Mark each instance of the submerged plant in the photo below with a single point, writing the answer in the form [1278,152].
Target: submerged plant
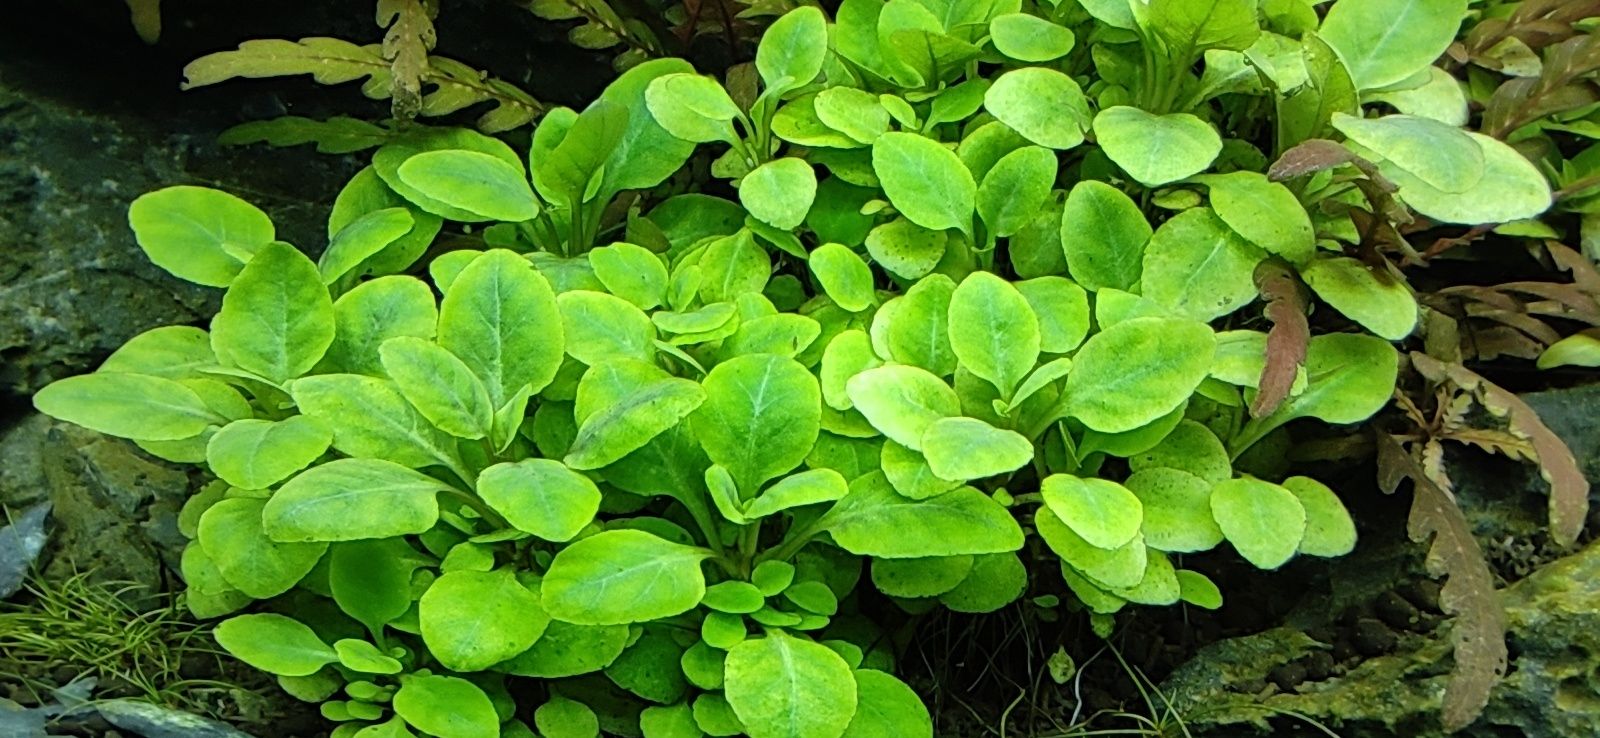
[646,451]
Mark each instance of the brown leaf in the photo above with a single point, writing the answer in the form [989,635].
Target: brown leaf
[1569,489]
[1290,334]
[406,45]
[1308,157]
[1584,273]
[1479,631]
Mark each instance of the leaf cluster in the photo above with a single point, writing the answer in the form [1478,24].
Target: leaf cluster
[983,306]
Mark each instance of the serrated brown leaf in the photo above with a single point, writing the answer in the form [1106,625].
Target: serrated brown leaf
[1495,441]
[1479,631]
[1569,489]
[1584,273]
[410,37]
[1287,340]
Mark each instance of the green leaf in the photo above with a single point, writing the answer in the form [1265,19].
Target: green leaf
[1329,529]
[1379,302]
[631,272]
[645,154]
[597,326]
[671,721]
[366,193]
[231,533]
[274,644]
[996,580]
[1137,371]
[1440,155]
[855,113]
[1044,105]
[446,706]
[1304,113]
[924,577]
[632,403]
[1350,377]
[390,428]
[1029,38]
[785,687]
[692,107]
[926,182]
[779,192]
[564,718]
[1200,268]
[1015,189]
[760,418]
[844,276]
[793,49]
[199,234]
[1266,213]
[1386,42]
[439,386]
[171,352]
[375,312]
[734,597]
[906,249]
[500,317]
[874,520]
[1511,189]
[1177,510]
[623,576]
[1191,447]
[1102,512]
[1123,566]
[917,326]
[993,331]
[1263,521]
[359,241]
[472,620]
[902,401]
[1103,234]
[847,355]
[805,488]
[887,708]
[386,162]
[733,266]
[910,473]
[541,497]
[364,657]
[277,318]
[1156,149]
[1197,590]
[569,650]
[256,454]
[352,499]
[1191,26]
[128,406]
[480,184]
[1158,586]
[968,448]
[371,580]
[1062,308]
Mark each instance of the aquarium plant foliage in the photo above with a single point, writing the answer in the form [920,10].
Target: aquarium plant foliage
[1007,298]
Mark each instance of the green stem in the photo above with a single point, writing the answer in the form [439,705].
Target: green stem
[478,506]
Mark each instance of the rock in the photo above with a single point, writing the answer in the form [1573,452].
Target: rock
[113,506]
[20,544]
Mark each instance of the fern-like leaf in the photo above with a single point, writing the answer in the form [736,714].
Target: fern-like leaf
[406,45]
[1569,489]
[1290,334]
[1468,593]
[340,135]
[452,85]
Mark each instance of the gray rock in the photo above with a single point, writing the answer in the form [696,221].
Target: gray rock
[20,544]
[151,721]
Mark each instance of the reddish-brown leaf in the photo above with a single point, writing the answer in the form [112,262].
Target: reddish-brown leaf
[1569,489]
[1308,157]
[1286,342]
[1478,633]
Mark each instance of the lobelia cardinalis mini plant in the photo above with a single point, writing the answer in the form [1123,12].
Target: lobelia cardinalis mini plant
[628,462]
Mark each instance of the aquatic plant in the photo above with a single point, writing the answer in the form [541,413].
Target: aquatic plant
[984,311]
